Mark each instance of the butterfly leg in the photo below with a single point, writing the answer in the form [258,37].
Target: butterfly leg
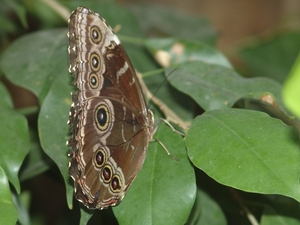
[165,148]
[169,125]
[173,129]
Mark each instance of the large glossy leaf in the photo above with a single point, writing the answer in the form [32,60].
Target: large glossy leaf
[164,189]
[247,150]
[215,87]
[29,63]
[14,144]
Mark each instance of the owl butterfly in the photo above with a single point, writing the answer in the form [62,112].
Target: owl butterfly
[110,123]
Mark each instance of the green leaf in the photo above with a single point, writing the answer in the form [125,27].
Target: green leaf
[271,217]
[173,23]
[53,127]
[36,161]
[22,202]
[85,215]
[164,189]
[38,62]
[169,51]
[216,87]
[180,103]
[19,10]
[6,203]
[247,150]
[274,57]
[280,211]
[206,211]
[5,100]
[14,144]
[291,90]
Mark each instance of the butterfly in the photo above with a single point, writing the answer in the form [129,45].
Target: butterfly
[110,123]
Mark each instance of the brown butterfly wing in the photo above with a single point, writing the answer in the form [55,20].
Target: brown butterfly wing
[110,123]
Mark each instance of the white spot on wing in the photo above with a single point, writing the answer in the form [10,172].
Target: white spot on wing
[122,71]
[132,82]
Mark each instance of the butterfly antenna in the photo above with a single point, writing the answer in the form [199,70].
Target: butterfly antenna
[161,84]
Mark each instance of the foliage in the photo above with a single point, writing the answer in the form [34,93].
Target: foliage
[240,153]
